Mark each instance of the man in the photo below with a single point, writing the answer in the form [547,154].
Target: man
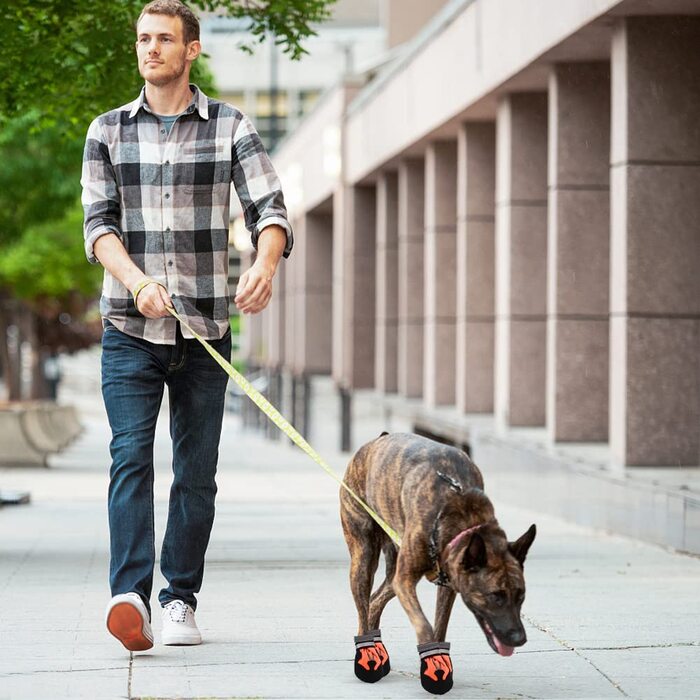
[156,187]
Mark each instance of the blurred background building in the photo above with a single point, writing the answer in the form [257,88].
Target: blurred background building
[497,239]
[277,92]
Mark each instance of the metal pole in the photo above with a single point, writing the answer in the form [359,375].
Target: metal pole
[306,419]
[294,404]
[345,419]
[276,400]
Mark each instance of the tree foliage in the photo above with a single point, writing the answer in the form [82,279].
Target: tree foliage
[48,261]
[39,173]
[74,60]
[61,64]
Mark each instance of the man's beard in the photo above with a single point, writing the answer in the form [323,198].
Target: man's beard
[162,80]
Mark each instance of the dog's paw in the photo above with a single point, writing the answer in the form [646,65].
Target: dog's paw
[435,667]
[371,657]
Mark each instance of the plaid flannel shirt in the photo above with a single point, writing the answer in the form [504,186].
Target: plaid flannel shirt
[167,196]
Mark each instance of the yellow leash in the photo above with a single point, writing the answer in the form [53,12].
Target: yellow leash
[283,424]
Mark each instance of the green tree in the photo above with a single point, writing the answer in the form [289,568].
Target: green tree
[48,261]
[74,60]
[61,64]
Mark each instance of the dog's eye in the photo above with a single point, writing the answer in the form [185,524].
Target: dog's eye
[498,598]
[519,597]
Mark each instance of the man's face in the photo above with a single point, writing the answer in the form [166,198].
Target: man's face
[162,53]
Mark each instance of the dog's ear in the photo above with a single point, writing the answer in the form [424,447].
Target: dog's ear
[474,553]
[520,547]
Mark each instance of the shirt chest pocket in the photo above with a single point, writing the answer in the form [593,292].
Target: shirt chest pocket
[202,167]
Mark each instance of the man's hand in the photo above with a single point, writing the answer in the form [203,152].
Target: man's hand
[152,301]
[254,288]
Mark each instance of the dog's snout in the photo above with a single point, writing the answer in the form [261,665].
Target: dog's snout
[516,637]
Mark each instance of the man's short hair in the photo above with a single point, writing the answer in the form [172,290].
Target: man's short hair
[175,8]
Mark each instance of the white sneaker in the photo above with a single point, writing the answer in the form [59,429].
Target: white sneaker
[179,626]
[127,619]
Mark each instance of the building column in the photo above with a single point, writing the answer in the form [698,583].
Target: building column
[655,244]
[440,273]
[354,272]
[521,259]
[411,194]
[274,318]
[387,283]
[315,320]
[579,252]
[476,172]
[251,325]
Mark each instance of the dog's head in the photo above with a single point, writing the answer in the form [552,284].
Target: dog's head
[487,571]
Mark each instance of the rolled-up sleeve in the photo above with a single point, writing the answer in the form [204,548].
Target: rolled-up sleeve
[100,197]
[257,185]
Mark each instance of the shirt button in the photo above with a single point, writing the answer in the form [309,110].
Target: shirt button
[170,263]
[167,162]
[168,229]
[167,195]
[162,131]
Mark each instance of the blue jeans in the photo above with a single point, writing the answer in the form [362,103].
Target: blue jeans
[134,374]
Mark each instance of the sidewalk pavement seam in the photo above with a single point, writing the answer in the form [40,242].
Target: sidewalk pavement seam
[59,670]
[642,646]
[253,663]
[576,651]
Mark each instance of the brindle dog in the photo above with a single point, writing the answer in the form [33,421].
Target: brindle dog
[432,495]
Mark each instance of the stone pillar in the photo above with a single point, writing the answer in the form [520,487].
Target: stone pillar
[440,273]
[354,271]
[316,303]
[411,235]
[521,259]
[340,310]
[278,349]
[387,284]
[579,252]
[655,243]
[476,173]
[291,285]
[251,326]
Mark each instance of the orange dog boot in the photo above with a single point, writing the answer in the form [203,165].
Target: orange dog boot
[368,664]
[435,667]
[381,650]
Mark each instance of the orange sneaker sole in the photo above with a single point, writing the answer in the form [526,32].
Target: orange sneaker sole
[126,624]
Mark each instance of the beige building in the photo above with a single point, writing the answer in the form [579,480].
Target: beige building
[499,234]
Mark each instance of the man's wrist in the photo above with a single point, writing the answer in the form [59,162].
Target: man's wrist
[140,286]
[268,263]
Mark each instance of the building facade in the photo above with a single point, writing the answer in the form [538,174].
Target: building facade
[499,234]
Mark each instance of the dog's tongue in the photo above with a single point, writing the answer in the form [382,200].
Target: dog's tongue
[503,649]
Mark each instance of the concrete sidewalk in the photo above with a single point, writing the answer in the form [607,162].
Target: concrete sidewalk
[606,617]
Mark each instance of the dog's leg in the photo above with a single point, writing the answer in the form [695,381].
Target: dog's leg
[445,599]
[363,544]
[385,592]
[435,662]
[405,581]
[371,660]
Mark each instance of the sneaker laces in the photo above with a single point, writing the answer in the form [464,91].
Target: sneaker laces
[177,610]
